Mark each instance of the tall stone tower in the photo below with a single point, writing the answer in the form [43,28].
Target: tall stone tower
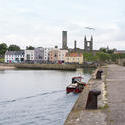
[88,45]
[64,40]
[75,45]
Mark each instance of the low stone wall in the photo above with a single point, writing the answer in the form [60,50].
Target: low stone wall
[7,66]
[79,115]
[47,66]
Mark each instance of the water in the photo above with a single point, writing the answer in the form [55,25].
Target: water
[36,97]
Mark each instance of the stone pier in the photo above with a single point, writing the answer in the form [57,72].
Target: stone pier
[111,103]
[79,115]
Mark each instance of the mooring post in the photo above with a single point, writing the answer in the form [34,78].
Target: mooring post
[92,102]
[99,74]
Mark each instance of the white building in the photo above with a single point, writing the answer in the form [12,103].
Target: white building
[29,55]
[46,53]
[14,56]
[61,55]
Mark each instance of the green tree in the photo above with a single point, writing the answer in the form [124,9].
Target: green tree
[89,57]
[103,56]
[103,50]
[121,55]
[13,48]
[114,57]
[3,49]
[111,51]
[30,48]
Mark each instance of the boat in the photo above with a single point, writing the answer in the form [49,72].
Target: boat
[76,86]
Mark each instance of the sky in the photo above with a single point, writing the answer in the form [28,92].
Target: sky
[41,22]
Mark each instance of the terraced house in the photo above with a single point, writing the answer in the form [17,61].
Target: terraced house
[46,54]
[61,56]
[29,56]
[14,56]
[38,55]
[53,55]
[57,55]
[74,58]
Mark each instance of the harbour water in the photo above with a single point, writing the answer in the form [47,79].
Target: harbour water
[36,97]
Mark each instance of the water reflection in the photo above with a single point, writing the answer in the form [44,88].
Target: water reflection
[86,70]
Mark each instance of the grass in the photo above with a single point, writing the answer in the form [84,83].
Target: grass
[1,60]
[111,121]
[104,107]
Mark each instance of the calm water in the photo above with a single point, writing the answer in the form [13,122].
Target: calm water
[36,97]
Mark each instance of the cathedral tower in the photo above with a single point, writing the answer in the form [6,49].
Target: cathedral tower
[88,45]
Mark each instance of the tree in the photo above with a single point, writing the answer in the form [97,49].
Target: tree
[103,50]
[110,51]
[13,48]
[114,57]
[89,57]
[30,48]
[3,49]
[107,50]
[103,56]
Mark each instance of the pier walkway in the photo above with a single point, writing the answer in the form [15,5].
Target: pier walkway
[116,95]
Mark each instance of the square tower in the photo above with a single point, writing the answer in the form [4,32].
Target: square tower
[64,40]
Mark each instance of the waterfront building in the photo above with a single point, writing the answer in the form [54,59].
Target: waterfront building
[75,57]
[29,55]
[14,56]
[46,54]
[61,55]
[53,55]
[39,55]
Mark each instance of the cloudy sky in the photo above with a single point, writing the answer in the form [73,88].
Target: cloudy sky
[40,22]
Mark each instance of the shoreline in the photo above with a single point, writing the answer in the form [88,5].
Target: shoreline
[7,67]
[65,67]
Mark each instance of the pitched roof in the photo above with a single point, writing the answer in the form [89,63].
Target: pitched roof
[74,54]
[21,52]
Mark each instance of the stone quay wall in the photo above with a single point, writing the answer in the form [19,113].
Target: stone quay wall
[79,115]
[46,66]
[69,67]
